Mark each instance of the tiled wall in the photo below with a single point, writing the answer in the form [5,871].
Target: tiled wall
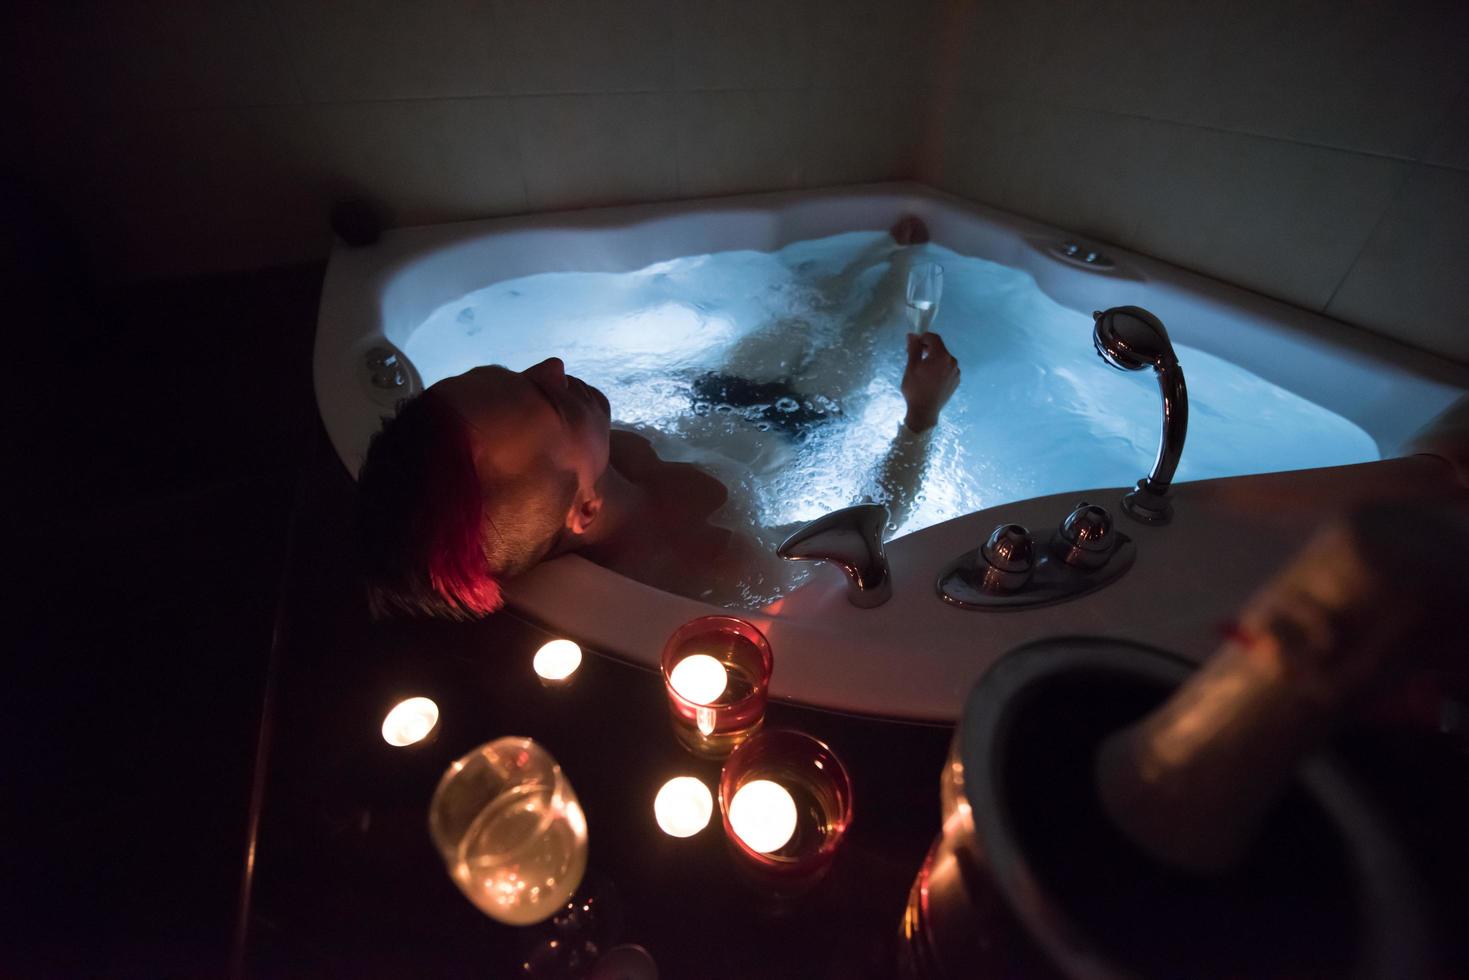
[1313,150]
[190,137]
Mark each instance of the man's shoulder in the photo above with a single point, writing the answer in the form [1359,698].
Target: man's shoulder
[687,489]
[631,452]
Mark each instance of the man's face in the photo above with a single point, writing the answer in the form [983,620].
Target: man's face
[513,417]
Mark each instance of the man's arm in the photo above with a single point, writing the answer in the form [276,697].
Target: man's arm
[928,383]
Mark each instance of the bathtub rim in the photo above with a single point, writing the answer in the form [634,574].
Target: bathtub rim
[356,278]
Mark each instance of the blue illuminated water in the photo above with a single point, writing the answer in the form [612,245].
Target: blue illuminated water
[1037,412]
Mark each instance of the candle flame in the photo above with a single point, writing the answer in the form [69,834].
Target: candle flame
[557,660]
[763,815]
[683,806]
[699,678]
[410,721]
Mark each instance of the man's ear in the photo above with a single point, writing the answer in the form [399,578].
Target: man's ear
[585,509]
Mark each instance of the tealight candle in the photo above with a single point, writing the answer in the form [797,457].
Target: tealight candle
[787,801]
[556,661]
[683,806]
[410,722]
[699,678]
[763,815]
[716,670]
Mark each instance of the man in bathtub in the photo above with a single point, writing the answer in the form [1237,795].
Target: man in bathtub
[490,472]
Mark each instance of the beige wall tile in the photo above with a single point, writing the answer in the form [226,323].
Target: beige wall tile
[1281,218]
[745,44]
[360,50]
[1084,171]
[1450,145]
[1409,281]
[120,55]
[588,45]
[1374,77]
[730,142]
[859,135]
[1148,57]
[426,160]
[192,191]
[584,150]
[976,152]
[185,192]
[873,43]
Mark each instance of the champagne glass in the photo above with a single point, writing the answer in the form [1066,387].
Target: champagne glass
[510,831]
[925,289]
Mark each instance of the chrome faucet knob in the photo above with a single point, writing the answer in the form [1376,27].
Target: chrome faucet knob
[1007,559]
[1086,539]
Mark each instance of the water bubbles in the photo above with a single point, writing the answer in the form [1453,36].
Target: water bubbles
[810,359]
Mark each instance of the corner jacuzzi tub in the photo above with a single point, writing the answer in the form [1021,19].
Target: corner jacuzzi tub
[914,657]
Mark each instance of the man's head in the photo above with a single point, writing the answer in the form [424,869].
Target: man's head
[476,480]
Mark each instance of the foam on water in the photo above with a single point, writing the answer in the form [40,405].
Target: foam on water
[1037,412]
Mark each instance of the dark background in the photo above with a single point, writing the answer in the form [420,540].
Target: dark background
[148,538]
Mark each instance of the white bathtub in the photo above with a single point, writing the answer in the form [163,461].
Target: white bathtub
[914,657]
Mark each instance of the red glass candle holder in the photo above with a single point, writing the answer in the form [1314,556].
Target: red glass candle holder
[713,714]
[809,772]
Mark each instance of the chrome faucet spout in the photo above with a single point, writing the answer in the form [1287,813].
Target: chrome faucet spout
[851,538]
[1131,339]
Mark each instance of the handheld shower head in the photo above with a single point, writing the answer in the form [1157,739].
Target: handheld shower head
[1130,338]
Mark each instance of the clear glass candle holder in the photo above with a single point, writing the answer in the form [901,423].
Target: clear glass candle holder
[716,672]
[510,830]
[770,842]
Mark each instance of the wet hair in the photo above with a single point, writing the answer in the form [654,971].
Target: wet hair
[435,536]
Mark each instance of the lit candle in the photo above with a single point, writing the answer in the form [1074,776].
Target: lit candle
[699,678]
[683,806]
[555,662]
[410,721]
[763,815]
[716,673]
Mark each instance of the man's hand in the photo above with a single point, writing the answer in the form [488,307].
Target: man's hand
[929,380]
